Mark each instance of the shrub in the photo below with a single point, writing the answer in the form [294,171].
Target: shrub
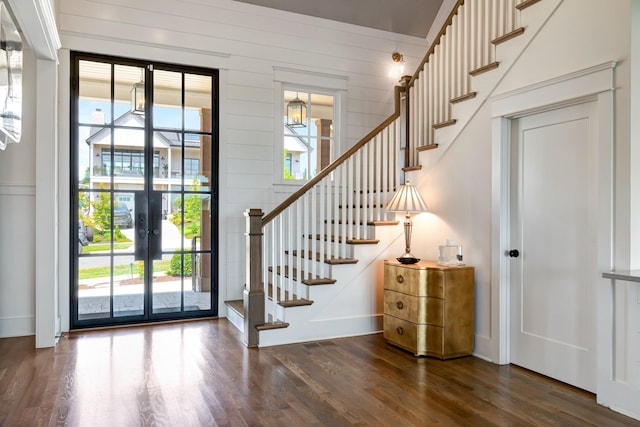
[175,267]
[120,237]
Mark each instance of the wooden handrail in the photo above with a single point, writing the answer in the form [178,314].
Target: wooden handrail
[436,41]
[333,165]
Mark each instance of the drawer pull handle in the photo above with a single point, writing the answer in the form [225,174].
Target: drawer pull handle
[400,305]
[399,330]
[400,279]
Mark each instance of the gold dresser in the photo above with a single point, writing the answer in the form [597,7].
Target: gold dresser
[429,308]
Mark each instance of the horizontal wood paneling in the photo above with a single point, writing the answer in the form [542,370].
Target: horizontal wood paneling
[249,123]
[237,151]
[252,166]
[249,44]
[263,95]
[224,18]
[258,138]
[250,109]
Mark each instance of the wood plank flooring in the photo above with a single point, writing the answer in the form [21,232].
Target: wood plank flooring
[199,374]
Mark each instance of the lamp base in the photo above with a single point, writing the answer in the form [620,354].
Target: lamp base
[408,258]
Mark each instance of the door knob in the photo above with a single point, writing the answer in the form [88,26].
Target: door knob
[514,253]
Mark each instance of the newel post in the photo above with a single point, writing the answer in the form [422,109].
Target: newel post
[405,131]
[253,290]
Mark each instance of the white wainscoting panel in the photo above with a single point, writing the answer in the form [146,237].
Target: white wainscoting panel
[17,253]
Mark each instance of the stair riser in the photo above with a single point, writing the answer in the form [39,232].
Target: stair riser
[342,250]
[364,231]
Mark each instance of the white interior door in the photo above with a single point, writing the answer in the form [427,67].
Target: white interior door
[553,219]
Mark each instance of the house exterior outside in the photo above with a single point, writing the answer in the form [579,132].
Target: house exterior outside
[258,51]
[128,159]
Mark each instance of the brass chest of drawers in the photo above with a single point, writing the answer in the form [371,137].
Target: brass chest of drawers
[429,308]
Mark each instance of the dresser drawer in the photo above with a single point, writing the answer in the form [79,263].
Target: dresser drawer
[429,308]
[414,309]
[406,280]
[408,335]
[405,306]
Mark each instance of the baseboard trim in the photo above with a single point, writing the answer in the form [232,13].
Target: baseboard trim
[323,329]
[17,326]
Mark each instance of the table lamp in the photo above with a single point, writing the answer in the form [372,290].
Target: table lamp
[407,200]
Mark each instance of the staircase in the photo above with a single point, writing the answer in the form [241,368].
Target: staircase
[314,262]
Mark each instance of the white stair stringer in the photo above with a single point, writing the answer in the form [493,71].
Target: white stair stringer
[533,20]
[352,306]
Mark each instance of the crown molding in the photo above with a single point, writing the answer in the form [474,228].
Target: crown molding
[36,20]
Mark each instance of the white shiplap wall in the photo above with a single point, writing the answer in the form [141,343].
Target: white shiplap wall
[247,43]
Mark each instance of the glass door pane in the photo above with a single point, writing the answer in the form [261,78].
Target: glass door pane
[143,192]
[109,280]
[182,127]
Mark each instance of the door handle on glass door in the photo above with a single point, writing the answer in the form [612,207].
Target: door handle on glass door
[514,253]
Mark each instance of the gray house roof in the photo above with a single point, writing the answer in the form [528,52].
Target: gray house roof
[132,121]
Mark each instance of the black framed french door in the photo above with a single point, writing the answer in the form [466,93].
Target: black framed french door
[144,188]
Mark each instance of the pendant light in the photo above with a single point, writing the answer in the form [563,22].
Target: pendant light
[297,113]
[137,96]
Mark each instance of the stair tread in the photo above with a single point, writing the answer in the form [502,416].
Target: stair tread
[272,325]
[295,303]
[363,241]
[348,241]
[382,223]
[510,35]
[315,282]
[332,260]
[464,97]
[446,123]
[484,69]
[236,305]
[286,300]
[525,4]
[427,147]
[375,223]
[294,276]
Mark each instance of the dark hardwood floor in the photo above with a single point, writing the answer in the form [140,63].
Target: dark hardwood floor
[199,374]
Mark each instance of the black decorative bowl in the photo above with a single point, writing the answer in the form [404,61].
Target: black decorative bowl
[402,260]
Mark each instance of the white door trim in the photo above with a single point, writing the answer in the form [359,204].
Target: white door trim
[591,84]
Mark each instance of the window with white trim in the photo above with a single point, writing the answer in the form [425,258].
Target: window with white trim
[308,132]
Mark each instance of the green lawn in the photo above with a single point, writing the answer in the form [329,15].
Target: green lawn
[102,247]
[119,270]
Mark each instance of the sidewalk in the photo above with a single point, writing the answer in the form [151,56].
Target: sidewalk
[94,294]
[130,298]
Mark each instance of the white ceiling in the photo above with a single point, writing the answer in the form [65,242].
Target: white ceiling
[410,17]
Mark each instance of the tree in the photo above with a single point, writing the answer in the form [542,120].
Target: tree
[85,178]
[102,211]
[192,213]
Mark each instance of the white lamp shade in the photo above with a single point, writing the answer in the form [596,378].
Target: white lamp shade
[407,199]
